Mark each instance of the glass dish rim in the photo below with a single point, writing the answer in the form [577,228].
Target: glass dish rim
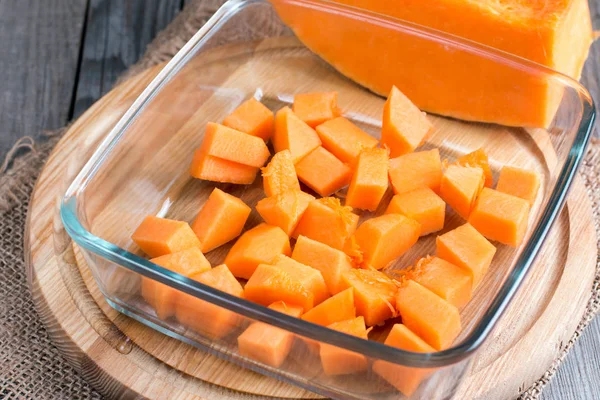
[373,349]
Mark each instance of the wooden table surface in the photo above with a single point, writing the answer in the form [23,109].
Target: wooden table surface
[57,57]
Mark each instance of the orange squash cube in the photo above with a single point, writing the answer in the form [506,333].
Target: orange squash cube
[231,145]
[159,236]
[369,181]
[316,108]
[374,294]
[405,379]
[327,221]
[291,133]
[322,172]
[268,344]
[253,118]
[501,217]
[310,278]
[220,220]
[465,247]
[331,262]
[162,297]
[216,169]
[279,176]
[338,361]
[422,205]
[451,283]
[336,308]
[432,318]
[270,283]
[404,127]
[460,188]
[284,210]
[519,182]
[414,170]
[344,139]
[478,158]
[383,239]
[207,318]
[259,245]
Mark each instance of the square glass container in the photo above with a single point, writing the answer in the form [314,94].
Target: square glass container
[142,168]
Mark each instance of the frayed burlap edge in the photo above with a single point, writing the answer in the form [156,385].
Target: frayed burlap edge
[24,162]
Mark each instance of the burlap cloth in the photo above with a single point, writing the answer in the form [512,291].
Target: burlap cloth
[30,366]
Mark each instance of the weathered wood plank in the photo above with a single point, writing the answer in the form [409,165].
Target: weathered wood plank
[116,36]
[39,48]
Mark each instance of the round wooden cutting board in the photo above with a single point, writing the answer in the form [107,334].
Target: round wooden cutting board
[125,359]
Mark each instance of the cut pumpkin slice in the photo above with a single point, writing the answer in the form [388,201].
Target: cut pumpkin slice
[235,146]
[259,245]
[344,139]
[253,118]
[215,169]
[405,379]
[220,220]
[291,133]
[404,126]
[268,344]
[207,318]
[316,108]
[432,318]
[338,361]
[279,176]
[385,238]
[159,236]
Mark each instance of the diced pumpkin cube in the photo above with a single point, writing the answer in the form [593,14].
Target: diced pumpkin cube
[405,379]
[422,205]
[220,220]
[460,188]
[519,182]
[453,284]
[207,318]
[339,361]
[284,210]
[414,170]
[404,126]
[268,344]
[478,158]
[344,139]
[279,176]
[468,249]
[327,221]
[216,169]
[383,239]
[162,297]
[336,308]
[316,108]
[292,134]
[253,118]
[309,278]
[374,294]
[269,284]
[259,245]
[331,262]
[500,216]
[239,147]
[369,181]
[322,172]
[429,316]
[159,236]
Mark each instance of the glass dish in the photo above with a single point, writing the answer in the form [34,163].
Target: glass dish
[141,168]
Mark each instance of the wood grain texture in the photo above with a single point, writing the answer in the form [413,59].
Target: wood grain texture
[39,48]
[563,270]
[117,33]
